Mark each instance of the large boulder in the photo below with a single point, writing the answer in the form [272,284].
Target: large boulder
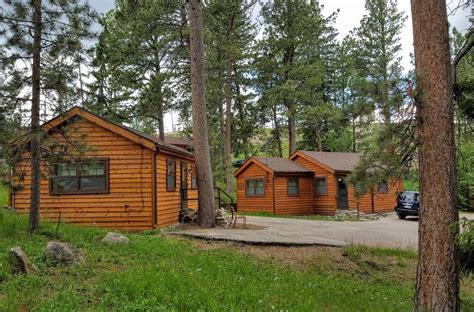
[64,254]
[19,262]
[114,238]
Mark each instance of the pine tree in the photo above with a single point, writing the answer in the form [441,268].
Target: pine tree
[34,35]
[136,54]
[206,212]
[437,285]
[230,33]
[292,59]
[379,47]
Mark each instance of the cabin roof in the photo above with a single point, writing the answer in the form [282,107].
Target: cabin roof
[336,160]
[282,165]
[153,140]
[179,140]
[275,165]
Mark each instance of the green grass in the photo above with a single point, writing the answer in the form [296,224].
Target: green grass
[162,273]
[3,195]
[307,217]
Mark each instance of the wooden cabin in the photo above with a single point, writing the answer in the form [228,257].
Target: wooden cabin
[331,190]
[274,185]
[123,178]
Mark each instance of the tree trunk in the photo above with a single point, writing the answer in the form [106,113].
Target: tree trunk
[354,147]
[319,139]
[161,122]
[228,128]
[159,111]
[291,132]
[277,131]
[34,218]
[242,122]
[206,212]
[437,285]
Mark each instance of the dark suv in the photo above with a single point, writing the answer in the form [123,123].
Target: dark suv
[408,204]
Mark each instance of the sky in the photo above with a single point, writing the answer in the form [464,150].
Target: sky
[350,14]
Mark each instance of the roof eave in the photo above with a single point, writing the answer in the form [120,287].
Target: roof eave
[293,173]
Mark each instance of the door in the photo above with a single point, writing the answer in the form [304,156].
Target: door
[184,184]
[342,202]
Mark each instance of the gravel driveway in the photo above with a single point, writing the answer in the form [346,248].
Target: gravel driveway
[385,232]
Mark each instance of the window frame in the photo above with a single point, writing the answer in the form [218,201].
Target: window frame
[380,186]
[78,176]
[193,177]
[288,186]
[169,161]
[325,178]
[255,188]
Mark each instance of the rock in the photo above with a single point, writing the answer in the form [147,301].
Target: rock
[223,217]
[363,216]
[113,237]
[188,215]
[64,254]
[19,262]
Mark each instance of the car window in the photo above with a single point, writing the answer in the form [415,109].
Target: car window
[405,196]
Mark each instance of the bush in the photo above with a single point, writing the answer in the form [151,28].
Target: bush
[465,241]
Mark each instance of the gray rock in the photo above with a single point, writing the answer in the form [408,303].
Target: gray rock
[223,217]
[19,262]
[112,237]
[188,215]
[64,254]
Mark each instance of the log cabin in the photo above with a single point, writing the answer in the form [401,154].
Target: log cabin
[274,185]
[332,191]
[122,178]
[319,179]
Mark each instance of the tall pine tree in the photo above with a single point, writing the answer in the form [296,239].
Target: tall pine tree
[230,33]
[41,43]
[379,47]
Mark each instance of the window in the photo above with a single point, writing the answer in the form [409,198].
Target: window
[255,187]
[293,186]
[81,177]
[320,186]
[383,187]
[170,175]
[194,183]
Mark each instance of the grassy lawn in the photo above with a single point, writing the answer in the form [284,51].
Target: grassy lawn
[160,272]
[308,217]
[3,195]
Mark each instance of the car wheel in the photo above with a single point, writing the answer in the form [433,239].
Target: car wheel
[401,216]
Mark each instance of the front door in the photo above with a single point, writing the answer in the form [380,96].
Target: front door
[342,202]
[184,184]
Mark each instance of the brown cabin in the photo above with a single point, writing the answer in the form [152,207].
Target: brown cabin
[274,185]
[125,179]
[263,184]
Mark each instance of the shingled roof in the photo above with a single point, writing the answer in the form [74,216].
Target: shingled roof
[179,141]
[282,165]
[336,161]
